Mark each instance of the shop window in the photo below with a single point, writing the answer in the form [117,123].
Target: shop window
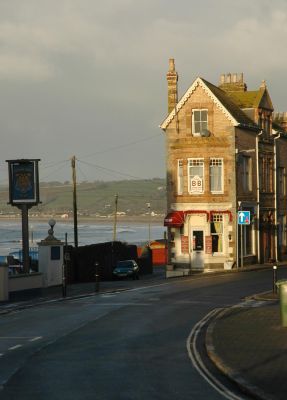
[216,229]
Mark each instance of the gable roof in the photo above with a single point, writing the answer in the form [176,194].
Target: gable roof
[220,98]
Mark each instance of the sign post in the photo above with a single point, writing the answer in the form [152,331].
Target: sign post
[24,193]
[243,218]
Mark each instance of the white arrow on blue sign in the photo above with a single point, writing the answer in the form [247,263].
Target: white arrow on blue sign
[243,217]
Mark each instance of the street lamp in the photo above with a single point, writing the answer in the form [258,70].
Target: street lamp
[52,223]
[115,218]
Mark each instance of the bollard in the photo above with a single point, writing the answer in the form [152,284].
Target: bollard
[282,284]
[97,276]
[64,283]
[274,279]
[4,291]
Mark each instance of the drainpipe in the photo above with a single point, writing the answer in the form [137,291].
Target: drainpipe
[258,197]
[275,198]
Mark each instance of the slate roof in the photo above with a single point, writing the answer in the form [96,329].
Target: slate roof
[231,106]
[238,117]
[248,99]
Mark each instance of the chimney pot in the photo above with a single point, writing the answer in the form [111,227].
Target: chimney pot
[171,65]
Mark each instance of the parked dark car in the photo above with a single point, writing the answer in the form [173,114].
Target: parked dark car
[126,268]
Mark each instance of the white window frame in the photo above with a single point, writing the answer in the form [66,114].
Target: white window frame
[200,110]
[195,162]
[179,177]
[218,218]
[216,162]
[282,181]
[247,173]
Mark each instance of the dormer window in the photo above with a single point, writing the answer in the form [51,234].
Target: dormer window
[199,122]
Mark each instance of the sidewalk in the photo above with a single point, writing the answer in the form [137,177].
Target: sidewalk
[20,300]
[249,345]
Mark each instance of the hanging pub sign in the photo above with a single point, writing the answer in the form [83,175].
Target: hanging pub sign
[23,182]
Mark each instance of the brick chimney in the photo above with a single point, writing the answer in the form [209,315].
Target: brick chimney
[281,119]
[232,82]
[172,79]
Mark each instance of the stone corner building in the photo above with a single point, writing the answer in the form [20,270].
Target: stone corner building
[226,151]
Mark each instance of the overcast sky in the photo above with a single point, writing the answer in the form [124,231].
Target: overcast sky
[87,77]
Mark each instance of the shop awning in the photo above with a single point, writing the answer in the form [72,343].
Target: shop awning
[174,219]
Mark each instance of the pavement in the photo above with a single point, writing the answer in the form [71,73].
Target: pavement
[30,298]
[246,342]
[249,345]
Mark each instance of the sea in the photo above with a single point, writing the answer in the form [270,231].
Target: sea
[88,233]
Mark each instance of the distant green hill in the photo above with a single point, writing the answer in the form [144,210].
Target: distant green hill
[98,198]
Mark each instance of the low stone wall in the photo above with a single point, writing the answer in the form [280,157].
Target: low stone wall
[22,282]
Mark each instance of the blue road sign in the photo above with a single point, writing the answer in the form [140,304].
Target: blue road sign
[243,217]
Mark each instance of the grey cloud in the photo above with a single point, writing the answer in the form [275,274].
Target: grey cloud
[85,74]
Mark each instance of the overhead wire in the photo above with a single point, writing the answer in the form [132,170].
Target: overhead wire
[81,172]
[54,171]
[121,146]
[109,170]
[53,164]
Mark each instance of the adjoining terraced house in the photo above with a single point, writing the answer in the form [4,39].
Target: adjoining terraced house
[224,153]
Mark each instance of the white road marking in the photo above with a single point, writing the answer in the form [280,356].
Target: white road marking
[123,304]
[250,304]
[198,363]
[15,347]
[36,338]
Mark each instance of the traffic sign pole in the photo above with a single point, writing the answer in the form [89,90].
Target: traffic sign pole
[243,218]
[241,244]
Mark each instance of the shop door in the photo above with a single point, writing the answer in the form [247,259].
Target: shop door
[197,256]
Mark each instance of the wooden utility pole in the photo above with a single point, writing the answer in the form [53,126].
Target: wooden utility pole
[149,217]
[115,217]
[75,211]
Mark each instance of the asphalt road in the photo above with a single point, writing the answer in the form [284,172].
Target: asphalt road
[127,345]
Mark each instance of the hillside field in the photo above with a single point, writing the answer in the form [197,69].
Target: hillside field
[97,198]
